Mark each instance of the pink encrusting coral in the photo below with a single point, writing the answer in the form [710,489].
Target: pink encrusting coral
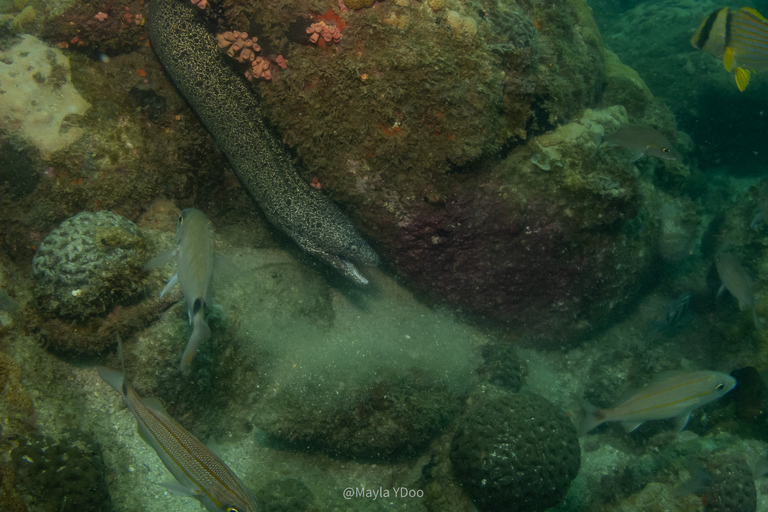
[200,3]
[240,46]
[322,29]
[101,16]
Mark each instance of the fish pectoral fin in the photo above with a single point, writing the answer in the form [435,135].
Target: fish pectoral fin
[173,282]
[630,426]
[728,59]
[161,259]
[175,487]
[742,78]
[720,291]
[682,421]
[636,155]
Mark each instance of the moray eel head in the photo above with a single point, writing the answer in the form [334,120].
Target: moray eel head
[343,257]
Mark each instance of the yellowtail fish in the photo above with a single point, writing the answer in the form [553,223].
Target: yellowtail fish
[736,280]
[199,472]
[740,38]
[674,396]
[642,140]
[194,273]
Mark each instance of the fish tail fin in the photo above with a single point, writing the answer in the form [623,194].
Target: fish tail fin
[593,417]
[115,378]
[200,333]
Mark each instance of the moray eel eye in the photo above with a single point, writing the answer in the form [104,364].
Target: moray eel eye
[353,249]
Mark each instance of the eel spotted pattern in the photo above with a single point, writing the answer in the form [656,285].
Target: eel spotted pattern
[232,115]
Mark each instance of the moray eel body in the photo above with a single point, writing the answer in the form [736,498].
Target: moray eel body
[232,115]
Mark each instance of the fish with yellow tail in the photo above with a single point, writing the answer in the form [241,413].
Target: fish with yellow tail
[739,37]
[194,273]
[672,396]
[200,473]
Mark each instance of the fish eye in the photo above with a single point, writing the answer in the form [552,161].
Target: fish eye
[353,249]
[664,150]
[720,387]
[233,509]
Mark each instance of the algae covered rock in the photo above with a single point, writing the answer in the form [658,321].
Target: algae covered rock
[731,485]
[515,452]
[89,264]
[51,473]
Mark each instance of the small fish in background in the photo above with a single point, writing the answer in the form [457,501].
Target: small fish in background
[736,280]
[740,38]
[199,472]
[762,214]
[671,316]
[7,303]
[697,482]
[641,140]
[194,273]
[668,397]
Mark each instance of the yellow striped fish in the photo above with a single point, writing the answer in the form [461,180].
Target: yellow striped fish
[199,472]
[674,396]
[740,38]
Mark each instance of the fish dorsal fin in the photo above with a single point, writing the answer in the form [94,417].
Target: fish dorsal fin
[728,59]
[742,78]
[753,12]
[154,404]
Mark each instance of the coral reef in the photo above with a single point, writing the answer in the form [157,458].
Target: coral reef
[515,452]
[88,265]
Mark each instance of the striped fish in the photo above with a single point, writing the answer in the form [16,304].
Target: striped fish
[740,38]
[199,472]
[674,396]
[194,273]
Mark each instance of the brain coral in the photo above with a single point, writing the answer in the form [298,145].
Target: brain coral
[515,452]
[88,265]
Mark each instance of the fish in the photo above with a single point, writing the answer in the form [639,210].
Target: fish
[672,314]
[194,273]
[739,37]
[668,397]
[199,472]
[235,117]
[642,140]
[736,280]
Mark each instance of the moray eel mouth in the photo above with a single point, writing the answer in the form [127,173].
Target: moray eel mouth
[343,264]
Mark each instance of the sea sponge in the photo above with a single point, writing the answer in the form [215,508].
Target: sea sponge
[515,452]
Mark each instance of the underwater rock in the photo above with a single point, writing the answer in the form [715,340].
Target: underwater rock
[64,474]
[88,265]
[38,97]
[16,407]
[547,253]
[731,486]
[515,452]
[502,366]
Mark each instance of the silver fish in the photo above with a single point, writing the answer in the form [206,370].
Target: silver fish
[200,473]
[642,140]
[736,280]
[194,273]
[676,395]
[672,314]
